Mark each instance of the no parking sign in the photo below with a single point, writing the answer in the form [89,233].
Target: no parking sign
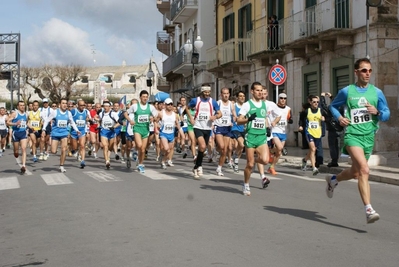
[277,76]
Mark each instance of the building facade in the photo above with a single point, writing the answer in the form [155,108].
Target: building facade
[101,82]
[317,41]
[186,22]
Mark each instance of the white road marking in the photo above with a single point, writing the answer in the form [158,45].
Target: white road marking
[103,176]
[206,176]
[154,175]
[9,183]
[304,177]
[27,172]
[56,179]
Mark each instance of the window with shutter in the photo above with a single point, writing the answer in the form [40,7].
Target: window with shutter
[311,84]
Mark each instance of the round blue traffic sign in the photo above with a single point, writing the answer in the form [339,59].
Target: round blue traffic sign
[277,74]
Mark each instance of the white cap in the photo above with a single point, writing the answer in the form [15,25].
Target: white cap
[282,95]
[168,101]
[45,100]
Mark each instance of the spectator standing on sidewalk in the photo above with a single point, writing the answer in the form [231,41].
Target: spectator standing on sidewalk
[366,106]
[335,131]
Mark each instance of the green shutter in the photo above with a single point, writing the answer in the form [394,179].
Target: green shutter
[231,25]
[225,29]
[249,17]
[280,14]
[342,78]
[240,22]
[311,84]
[310,3]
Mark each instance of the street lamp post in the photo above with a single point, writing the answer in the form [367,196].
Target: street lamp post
[150,75]
[188,47]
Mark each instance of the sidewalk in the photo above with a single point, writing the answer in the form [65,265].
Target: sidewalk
[387,173]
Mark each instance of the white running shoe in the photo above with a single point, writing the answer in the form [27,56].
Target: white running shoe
[170,163]
[200,171]
[41,157]
[45,156]
[315,171]
[62,169]
[331,184]
[219,172]
[196,175]
[303,165]
[246,190]
[163,165]
[372,216]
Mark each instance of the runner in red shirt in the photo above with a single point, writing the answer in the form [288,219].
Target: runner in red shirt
[95,145]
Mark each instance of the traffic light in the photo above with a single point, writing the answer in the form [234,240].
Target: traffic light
[149,82]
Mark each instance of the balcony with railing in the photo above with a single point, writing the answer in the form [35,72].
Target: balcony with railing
[168,25]
[163,43]
[163,6]
[181,10]
[177,63]
[163,85]
[212,59]
[235,51]
[328,21]
[265,40]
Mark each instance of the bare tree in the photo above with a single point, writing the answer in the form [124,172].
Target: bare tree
[25,93]
[53,81]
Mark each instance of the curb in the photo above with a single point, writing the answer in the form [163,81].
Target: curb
[374,176]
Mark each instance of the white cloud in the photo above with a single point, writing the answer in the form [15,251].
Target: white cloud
[117,29]
[57,42]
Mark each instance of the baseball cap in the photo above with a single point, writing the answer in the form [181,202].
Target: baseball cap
[45,100]
[282,95]
[168,101]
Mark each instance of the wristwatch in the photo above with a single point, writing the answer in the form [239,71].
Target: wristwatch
[378,113]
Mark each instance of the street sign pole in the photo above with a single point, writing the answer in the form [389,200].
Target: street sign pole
[277,61]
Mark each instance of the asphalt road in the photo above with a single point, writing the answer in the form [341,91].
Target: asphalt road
[95,217]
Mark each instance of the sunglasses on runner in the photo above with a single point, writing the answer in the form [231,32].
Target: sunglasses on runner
[365,70]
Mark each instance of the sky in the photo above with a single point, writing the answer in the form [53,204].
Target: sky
[84,32]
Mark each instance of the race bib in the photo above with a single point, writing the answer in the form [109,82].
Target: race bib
[2,124]
[62,124]
[151,128]
[168,128]
[313,124]
[80,123]
[143,118]
[259,123]
[282,123]
[203,116]
[225,120]
[35,124]
[107,123]
[360,115]
[23,124]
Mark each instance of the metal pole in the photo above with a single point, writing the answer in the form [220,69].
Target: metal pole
[276,94]
[12,92]
[192,53]
[367,29]
[277,61]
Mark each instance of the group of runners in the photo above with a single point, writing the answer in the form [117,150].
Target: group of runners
[202,126]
